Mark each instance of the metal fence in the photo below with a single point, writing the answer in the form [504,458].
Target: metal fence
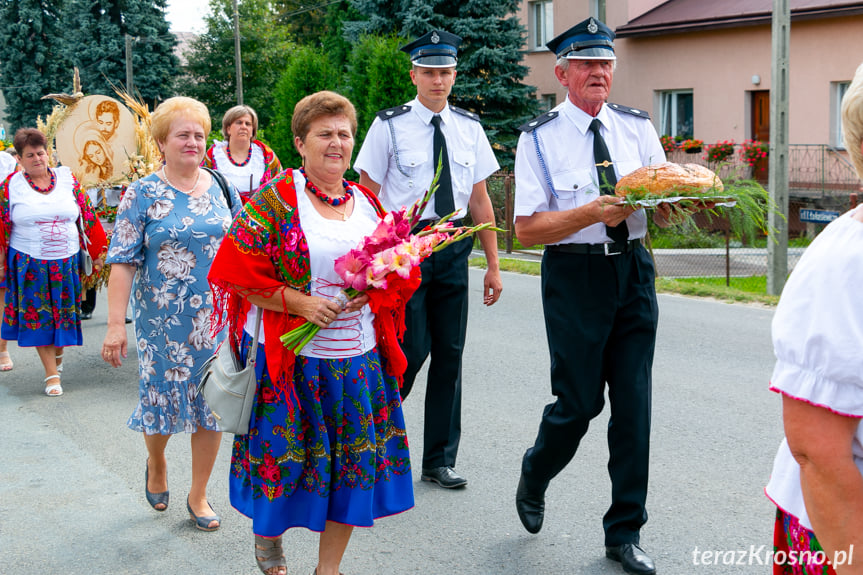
[820,177]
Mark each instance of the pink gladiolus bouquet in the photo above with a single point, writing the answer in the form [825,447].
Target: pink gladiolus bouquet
[387,261]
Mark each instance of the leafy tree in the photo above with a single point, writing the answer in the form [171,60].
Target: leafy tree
[96,44]
[318,24]
[490,72]
[31,59]
[266,47]
[379,78]
[309,71]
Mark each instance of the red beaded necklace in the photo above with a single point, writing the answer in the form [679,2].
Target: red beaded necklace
[238,164]
[37,188]
[332,201]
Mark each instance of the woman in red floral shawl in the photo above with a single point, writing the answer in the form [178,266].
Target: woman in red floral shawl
[41,209]
[326,449]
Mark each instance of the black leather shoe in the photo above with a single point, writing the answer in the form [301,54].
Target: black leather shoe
[444,476]
[530,504]
[632,558]
[86,315]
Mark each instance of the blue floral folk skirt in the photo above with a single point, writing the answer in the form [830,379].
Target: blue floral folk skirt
[43,301]
[342,456]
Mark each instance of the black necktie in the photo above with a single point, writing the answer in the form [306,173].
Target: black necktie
[444,204]
[607,179]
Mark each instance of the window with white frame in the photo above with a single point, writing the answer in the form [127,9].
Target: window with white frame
[540,23]
[675,113]
[837,90]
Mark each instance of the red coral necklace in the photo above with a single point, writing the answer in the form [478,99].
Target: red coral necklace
[37,188]
[328,199]
[238,164]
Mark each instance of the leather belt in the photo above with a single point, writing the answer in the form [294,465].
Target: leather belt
[422,224]
[609,249]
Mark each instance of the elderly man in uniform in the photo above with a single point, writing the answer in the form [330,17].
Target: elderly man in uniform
[598,292]
[398,160]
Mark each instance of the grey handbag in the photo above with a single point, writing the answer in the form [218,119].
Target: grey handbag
[229,387]
[86,260]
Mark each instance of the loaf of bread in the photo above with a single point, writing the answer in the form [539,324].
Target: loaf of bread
[668,179]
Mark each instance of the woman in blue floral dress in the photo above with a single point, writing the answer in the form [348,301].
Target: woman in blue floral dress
[169,226]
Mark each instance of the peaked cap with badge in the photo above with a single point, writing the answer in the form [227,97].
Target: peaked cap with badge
[435,49]
[588,40]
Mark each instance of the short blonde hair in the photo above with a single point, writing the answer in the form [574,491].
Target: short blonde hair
[235,114]
[852,120]
[317,105]
[174,108]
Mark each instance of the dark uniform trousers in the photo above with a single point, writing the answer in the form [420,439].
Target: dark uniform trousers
[601,317]
[436,323]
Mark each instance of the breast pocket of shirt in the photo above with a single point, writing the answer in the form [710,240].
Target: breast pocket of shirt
[573,188]
[409,166]
[463,165]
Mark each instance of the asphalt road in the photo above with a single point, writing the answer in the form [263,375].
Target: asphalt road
[71,473]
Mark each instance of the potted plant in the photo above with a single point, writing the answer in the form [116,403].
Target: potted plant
[720,151]
[668,144]
[692,146]
[752,151]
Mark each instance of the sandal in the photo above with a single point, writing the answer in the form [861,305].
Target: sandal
[203,522]
[59,359]
[268,554]
[53,390]
[5,365]
[154,498]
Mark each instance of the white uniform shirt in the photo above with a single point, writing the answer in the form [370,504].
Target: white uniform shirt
[817,330]
[566,145]
[398,155]
[44,226]
[245,178]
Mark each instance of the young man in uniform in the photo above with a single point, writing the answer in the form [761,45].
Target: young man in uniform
[398,160]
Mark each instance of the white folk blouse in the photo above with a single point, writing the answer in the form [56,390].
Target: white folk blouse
[818,342]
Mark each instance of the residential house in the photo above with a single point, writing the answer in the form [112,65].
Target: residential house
[703,70]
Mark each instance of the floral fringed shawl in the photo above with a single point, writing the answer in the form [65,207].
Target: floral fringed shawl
[98,242]
[266,252]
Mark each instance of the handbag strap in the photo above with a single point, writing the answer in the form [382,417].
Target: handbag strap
[83,233]
[254,351]
[223,184]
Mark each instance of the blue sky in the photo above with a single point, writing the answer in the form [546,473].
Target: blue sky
[187,15]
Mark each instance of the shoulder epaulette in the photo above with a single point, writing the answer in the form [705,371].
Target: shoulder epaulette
[628,110]
[393,112]
[539,121]
[464,112]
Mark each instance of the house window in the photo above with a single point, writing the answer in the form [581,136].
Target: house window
[597,9]
[837,90]
[547,102]
[541,23]
[675,113]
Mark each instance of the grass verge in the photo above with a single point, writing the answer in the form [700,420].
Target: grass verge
[697,287]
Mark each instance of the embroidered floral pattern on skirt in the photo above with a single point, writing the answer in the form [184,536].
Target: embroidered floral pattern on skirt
[796,551]
[344,457]
[43,301]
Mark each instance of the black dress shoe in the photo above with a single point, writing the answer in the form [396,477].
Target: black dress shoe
[632,558]
[444,476]
[86,315]
[530,504]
